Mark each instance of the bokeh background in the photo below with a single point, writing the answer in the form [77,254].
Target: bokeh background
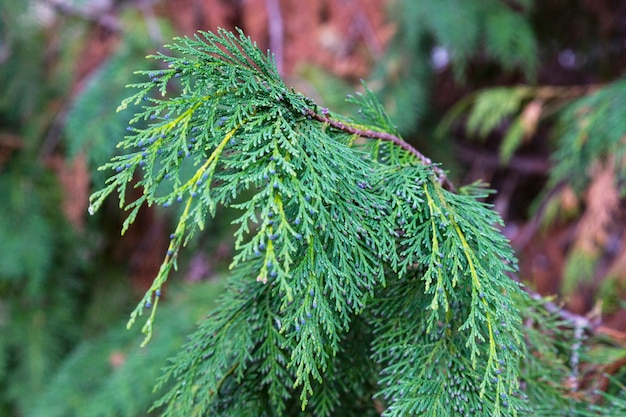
[526,96]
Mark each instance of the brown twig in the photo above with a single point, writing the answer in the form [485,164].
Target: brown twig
[373,134]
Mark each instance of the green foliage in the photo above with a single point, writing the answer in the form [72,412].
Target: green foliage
[551,342]
[354,263]
[591,129]
[41,263]
[91,127]
[38,271]
[460,340]
[588,130]
[110,375]
[579,269]
[30,240]
[21,96]
[460,27]
[43,288]
[464,28]
[491,107]
[607,353]
[381,306]
[516,109]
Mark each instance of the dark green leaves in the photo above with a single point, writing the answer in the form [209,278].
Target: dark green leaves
[591,131]
[332,233]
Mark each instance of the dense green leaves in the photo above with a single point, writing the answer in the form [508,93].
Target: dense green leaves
[92,128]
[451,34]
[453,309]
[113,372]
[39,270]
[591,130]
[350,250]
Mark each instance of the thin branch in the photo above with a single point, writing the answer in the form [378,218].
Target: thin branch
[373,134]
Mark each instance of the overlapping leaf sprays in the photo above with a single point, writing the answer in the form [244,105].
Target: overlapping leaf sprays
[361,278]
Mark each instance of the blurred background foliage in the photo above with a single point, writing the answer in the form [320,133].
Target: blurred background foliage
[526,96]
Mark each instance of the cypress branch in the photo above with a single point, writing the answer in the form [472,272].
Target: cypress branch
[360,272]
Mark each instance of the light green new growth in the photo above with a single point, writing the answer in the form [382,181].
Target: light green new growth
[361,280]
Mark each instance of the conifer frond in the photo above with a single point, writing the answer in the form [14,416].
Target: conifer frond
[461,31]
[347,250]
[91,126]
[591,129]
[460,27]
[491,107]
